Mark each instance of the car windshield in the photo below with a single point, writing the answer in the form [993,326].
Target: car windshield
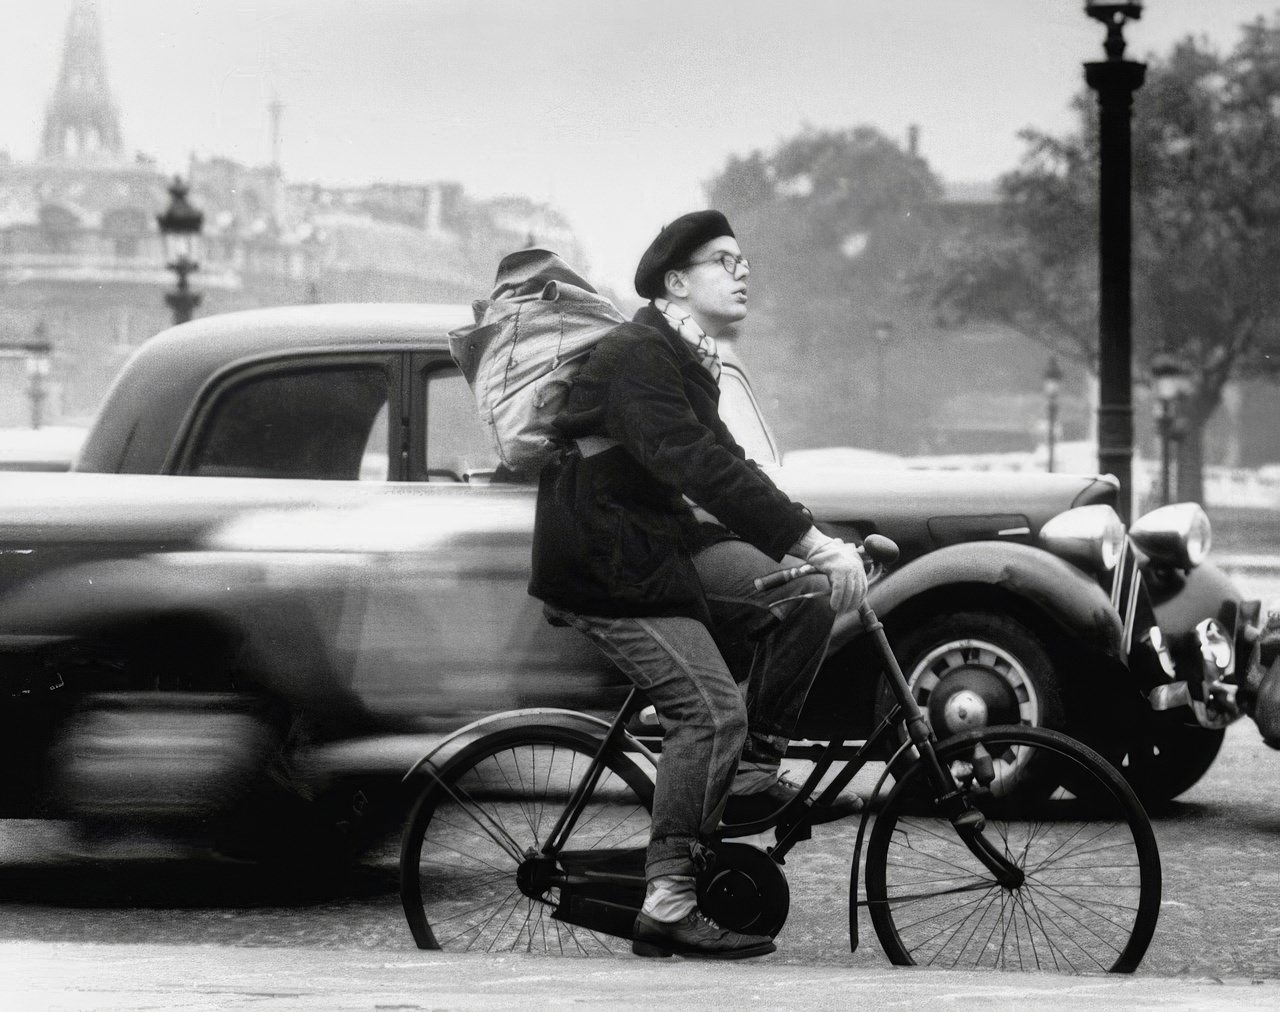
[740,413]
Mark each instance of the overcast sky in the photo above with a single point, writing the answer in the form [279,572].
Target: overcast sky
[616,111]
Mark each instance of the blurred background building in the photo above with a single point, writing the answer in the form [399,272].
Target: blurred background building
[82,260]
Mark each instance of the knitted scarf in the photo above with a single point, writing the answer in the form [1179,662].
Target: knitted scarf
[687,327]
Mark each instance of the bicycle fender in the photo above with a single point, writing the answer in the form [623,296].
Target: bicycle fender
[494,722]
[1065,595]
[854,903]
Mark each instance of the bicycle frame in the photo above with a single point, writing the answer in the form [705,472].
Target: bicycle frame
[794,824]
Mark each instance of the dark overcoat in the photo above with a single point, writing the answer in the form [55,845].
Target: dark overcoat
[614,534]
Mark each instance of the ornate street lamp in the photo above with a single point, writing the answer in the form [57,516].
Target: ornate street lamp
[1115,79]
[1052,387]
[180,226]
[1171,383]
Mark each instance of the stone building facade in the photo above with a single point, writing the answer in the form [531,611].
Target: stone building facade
[82,260]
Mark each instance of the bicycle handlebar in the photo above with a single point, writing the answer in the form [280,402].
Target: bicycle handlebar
[876,548]
[783,576]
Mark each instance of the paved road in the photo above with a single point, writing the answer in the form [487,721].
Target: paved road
[147,926]
[87,930]
[187,977]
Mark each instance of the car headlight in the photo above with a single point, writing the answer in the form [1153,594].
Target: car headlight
[1178,535]
[1090,536]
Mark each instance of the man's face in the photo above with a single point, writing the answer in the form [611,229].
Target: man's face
[714,296]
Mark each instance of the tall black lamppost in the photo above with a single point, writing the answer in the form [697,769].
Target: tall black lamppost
[1115,79]
[1171,383]
[180,226]
[1052,387]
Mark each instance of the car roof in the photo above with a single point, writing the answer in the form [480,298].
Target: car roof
[163,378]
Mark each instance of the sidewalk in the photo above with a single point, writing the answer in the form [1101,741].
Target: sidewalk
[77,976]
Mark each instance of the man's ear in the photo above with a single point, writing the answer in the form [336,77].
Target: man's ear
[675,283]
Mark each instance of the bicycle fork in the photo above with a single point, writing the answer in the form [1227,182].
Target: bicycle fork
[948,794]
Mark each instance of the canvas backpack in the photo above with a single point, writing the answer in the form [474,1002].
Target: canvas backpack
[520,357]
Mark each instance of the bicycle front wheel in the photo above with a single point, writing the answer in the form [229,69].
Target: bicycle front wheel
[467,882]
[1091,892]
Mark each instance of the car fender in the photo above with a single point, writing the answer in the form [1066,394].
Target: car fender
[89,596]
[1184,598]
[102,597]
[495,722]
[1057,590]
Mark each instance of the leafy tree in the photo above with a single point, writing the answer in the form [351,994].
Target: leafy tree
[1206,216]
[834,219]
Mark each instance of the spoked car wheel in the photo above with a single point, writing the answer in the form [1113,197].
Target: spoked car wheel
[471,874]
[970,670]
[1091,892]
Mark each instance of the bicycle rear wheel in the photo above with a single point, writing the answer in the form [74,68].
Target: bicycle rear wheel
[465,868]
[1091,893]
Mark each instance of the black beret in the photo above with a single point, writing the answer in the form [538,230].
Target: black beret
[673,246]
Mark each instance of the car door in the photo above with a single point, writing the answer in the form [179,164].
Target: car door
[449,621]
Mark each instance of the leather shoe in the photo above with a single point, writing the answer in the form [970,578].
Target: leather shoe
[763,805]
[695,934]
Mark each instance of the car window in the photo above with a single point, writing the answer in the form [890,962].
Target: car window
[457,446]
[739,412]
[312,422]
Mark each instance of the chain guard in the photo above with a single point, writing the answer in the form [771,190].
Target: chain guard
[744,890]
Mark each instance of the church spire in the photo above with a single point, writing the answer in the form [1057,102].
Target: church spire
[80,119]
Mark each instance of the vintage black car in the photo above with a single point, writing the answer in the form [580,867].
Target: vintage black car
[285,524]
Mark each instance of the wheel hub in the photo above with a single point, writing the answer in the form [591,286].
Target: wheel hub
[533,875]
[963,710]
[970,697]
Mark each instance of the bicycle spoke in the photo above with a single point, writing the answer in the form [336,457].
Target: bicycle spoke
[1055,950]
[466,803]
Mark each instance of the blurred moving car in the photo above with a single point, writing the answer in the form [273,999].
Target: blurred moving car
[284,556]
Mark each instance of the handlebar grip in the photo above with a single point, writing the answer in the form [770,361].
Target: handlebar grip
[876,548]
[771,580]
[880,549]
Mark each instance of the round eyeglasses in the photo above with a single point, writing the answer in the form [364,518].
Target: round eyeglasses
[729,261]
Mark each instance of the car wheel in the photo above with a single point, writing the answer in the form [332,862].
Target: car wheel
[974,669]
[1169,759]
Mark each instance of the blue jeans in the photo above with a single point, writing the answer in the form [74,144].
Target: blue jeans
[772,641]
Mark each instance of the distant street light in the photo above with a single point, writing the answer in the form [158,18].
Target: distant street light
[180,226]
[882,331]
[1172,383]
[1052,387]
[1115,79]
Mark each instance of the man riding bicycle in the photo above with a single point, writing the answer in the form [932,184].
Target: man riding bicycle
[619,555]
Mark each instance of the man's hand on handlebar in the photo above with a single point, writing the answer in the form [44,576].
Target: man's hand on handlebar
[844,566]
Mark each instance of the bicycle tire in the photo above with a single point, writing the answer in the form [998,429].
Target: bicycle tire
[1091,896]
[458,874]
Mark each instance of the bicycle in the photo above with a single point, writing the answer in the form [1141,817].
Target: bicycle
[1009,847]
